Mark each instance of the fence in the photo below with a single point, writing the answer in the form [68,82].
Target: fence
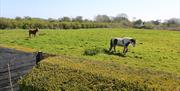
[13,65]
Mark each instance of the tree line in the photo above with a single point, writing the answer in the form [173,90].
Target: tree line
[100,21]
[28,23]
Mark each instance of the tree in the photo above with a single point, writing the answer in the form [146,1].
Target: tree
[173,21]
[27,18]
[18,18]
[4,23]
[138,23]
[51,20]
[148,25]
[78,19]
[156,22]
[102,18]
[66,19]
[121,17]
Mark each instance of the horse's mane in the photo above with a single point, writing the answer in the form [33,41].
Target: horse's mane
[34,29]
[133,40]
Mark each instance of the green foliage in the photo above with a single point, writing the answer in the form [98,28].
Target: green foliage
[121,18]
[101,21]
[28,23]
[94,51]
[138,24]
[102,18]
[149,25]
[90,52]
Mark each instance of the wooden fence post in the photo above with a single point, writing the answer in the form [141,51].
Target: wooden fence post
[9,72]
[39,57]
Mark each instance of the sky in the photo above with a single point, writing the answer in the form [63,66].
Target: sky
[135,9]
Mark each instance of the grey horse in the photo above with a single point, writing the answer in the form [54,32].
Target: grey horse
[124,42]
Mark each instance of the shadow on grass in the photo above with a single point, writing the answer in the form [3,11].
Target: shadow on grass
[114,53]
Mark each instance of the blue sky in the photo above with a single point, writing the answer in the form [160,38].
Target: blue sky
[141,9]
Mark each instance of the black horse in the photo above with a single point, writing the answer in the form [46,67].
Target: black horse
[31,31]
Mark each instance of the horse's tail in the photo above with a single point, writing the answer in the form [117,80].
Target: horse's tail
[111,44]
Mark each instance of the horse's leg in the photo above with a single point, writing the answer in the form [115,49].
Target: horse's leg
[114,48]
[34,34]
[29,35]
[126,50]
[110,48]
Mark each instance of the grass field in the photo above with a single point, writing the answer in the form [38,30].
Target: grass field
[154,64]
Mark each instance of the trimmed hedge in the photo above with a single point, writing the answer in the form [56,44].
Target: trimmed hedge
[7,23]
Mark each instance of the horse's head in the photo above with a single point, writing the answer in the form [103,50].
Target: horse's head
[133,42]
[37,29]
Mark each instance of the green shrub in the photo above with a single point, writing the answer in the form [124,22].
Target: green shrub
[94,51]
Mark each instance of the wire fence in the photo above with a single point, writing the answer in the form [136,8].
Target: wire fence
[14,66]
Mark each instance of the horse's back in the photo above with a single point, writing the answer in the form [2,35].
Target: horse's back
[116,38]
[120,41]
[30,30]
[117,41]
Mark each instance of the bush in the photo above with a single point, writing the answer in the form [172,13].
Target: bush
[91,52]
[94,51]
[149,26]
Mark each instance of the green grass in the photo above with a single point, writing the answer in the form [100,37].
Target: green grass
[157,53]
